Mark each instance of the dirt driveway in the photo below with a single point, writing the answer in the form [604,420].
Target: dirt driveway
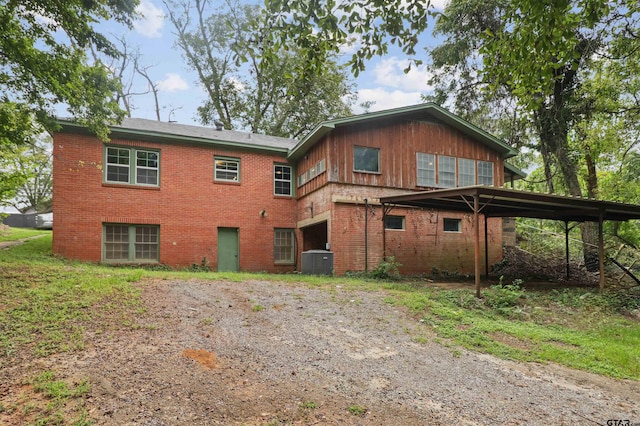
[262,353]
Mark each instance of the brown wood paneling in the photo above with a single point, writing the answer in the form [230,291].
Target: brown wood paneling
[398,141]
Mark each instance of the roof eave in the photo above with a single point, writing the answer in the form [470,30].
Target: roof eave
[310,139]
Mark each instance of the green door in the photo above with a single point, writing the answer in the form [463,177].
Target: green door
[227,249]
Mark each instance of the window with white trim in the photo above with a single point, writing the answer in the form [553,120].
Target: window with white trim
[131,243]
[281,179]
[446,171]
[394,222]
[284,246]
[366,159]
[132,166]
[466,172]
[452,225]
[227,169]
[426,166]
[485,173]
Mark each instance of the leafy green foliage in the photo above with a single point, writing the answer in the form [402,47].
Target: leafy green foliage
[503,297]
[249,86]
[386,270]
[320,27]
[44,62]
[33,162]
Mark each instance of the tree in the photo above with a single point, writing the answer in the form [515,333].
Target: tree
[246,89]
[127,68]
[33,161]
[553,63]
[318,27]
[44,62]
[18,128]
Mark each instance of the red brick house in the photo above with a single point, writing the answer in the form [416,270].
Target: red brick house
[182,195]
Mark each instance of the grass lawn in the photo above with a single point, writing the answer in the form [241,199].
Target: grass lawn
[45,303]
[12,234]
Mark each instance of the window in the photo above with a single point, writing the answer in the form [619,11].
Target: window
[281,179]
[321,167]
[366,159]
[485,173]
[446,171]
[426,169]
[394,222]
[284,246]
[452,225]
[466,172]
[118,166]
[227,169]
[131,243]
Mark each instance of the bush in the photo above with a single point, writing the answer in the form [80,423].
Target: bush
[387,270]
[503,297]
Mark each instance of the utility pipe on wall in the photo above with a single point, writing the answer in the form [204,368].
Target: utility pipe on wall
[366,235]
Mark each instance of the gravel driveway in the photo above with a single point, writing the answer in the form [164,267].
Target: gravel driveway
[264,353]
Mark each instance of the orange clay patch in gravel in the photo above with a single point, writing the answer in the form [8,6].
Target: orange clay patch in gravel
[205,358]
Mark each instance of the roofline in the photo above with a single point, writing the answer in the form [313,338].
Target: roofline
[459,123]
[528,204]
[516,172]
[177,137]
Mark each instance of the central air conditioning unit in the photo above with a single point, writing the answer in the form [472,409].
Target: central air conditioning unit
[317,262]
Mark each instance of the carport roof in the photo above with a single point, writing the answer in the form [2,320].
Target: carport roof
[500,202]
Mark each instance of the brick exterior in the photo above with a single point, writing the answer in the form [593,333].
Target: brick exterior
[189,205]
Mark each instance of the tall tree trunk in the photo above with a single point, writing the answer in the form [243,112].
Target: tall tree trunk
[552,123]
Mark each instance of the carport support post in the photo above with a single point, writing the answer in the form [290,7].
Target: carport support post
[601,250]
[476,226]
[566,245]
[486,248]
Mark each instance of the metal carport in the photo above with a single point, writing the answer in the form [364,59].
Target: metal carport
[500,202]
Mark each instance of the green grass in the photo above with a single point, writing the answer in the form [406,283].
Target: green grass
[576,328]
[14,234]
[46,303]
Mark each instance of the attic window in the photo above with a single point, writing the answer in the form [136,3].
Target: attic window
[366,159]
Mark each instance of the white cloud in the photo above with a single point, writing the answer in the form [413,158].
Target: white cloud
[152,21]
[386,99]
[390,72]
[172,83]
[439,4]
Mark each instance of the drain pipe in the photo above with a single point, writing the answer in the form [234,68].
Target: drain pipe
[366,235]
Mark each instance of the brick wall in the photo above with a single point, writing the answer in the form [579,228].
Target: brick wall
[420,247]
[188,205]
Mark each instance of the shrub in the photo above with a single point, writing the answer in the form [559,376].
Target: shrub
[387,270]
[503,297]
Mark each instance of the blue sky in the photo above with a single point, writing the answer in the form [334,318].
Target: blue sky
[383,82]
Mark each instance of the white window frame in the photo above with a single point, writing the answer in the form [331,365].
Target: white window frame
[396,217]
[426,169]
[452,225]
[284,246]
[221,169]
[446,176]
[133,173]
[279,178]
